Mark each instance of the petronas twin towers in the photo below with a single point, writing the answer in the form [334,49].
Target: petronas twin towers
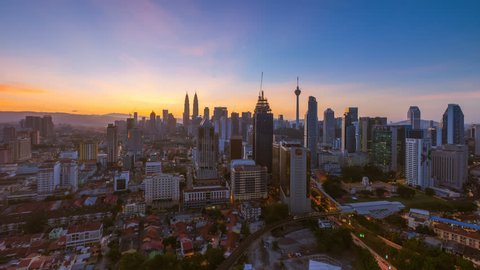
[186,110]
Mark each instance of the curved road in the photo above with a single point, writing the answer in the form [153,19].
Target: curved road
[245,244]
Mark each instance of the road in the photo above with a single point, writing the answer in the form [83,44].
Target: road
[382,263]
[245,244]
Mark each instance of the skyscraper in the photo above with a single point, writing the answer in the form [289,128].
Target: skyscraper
[248,181]
[153,125]
[418,170]
[48,177]
[112,144]
[293,167]
[263,133]
[476,132]
[235,120]
[186,113]
[414,116]
[311,128]
[297,93]
[453,126]
[195,106]
[206,113]
[348,129]
[207,151]
[450,166]
[328,127]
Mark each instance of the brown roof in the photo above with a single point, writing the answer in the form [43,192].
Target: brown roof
[445,227]
[93,226]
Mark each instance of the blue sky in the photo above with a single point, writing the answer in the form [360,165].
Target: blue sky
[121,56]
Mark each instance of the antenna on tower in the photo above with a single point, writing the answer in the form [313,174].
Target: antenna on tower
[297,81]
[261,85]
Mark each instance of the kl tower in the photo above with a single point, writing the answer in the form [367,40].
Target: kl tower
[297,93]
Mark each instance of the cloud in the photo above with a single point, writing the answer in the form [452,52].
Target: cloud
[14,89]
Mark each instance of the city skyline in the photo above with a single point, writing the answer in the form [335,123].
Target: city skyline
[86,58]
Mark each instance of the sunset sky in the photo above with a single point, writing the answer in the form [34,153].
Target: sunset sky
[96,57]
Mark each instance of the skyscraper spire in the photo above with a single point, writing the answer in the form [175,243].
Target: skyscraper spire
[186,112]
[297,93]
[195,106]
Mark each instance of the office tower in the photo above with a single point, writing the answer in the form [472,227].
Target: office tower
[246,121]
[418,169]
[35,137]
[219,112]
[6,155]
[311,129]
[9,133]
[328,127]
[450,166]
[153,124]
[263,133]
[348,129]
[186,113]
[366,126]
[153,167]
[206,113]
[476,131]
[162,187]
[48,177]
[236,146]
[43,124]
[172,123]
[121,180]
[135,118]
[293,166]
[453,128]
[414,116]
[165,117]
[88,151]
[21,149]
[248,181]
[195,106]
[433,134]
[207,151]
[297,94]
[69,174]
[235,120]
[112,144]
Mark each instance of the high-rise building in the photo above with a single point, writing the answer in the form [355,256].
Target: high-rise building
[206,113]
[206,151]
[153,125]
[348,129]
[414,116]
[246,122]
[69,174]
[35,137]
[219,112]
[311,129]
[248,181]
[297,92]
[453,126]
[263,133]
[450,166]
[43,124]
[236,146]
[48,177]
[476,136]
[165,118]
[162,187]
[121,180]
[88,151]
[135,118]
[112,144]
[293,166]
[366,126]
[186,113]
[235,121]
[195,106]
[21,149]
[418,169]
[9,134]
[328,127]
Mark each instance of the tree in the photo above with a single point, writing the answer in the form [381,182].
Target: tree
[132,261]
[333,187]
[405,192]
[275,212]
[365,260]
[214,257]
[114,252]
[36,223]
[380,192]
[163,262]
[396,220]
[429,191]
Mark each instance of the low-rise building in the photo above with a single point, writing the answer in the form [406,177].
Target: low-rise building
[201,196]
[162,187]
[459,235]
[84,234]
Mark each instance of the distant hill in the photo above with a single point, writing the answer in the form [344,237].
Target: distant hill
[86,120]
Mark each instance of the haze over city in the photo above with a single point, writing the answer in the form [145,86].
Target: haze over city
[98,57]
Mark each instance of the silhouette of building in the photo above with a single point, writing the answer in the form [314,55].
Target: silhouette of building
[453,126]
[311,130]
[263,133]
[297,92]
[206,151]
[195,106]
[414,116]
[348,130]
[329,127]
[186,113]
[112,144]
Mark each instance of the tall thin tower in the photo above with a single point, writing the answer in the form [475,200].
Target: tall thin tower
[195,106]
[186,113]
[297,93]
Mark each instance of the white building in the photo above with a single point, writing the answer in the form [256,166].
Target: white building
[48,177]
[153,167]
[418,217]
[163,187]
[68,155]
[137,208]
[85,234]
[121,181]
[69,174]
[200,196]
[248,181]
[418,169]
